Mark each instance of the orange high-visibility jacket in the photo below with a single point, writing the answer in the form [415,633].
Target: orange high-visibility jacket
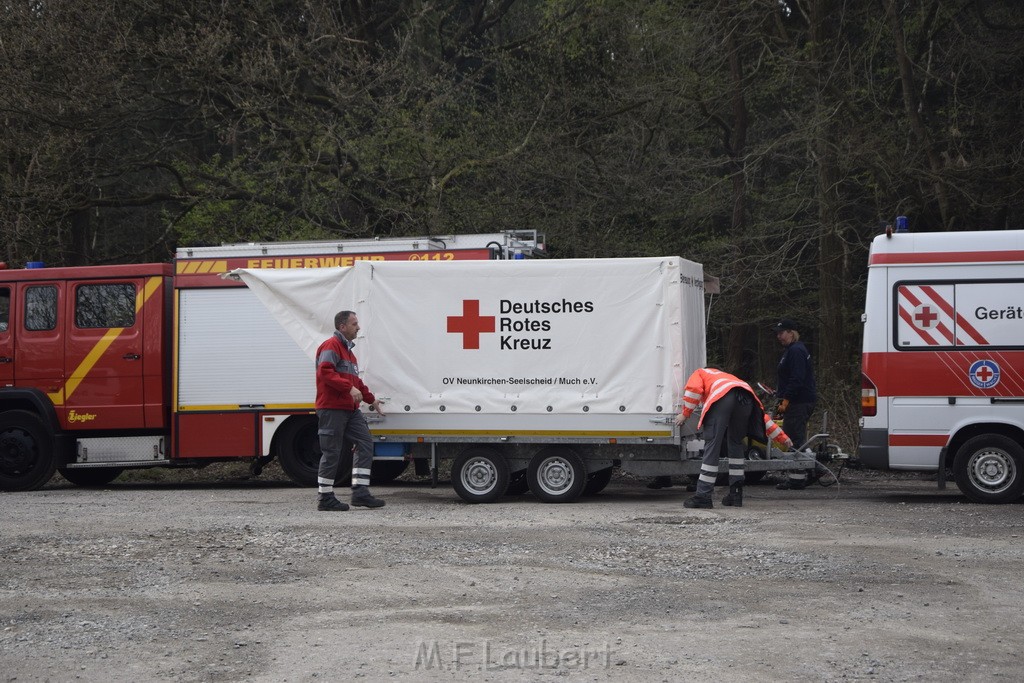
[707,385]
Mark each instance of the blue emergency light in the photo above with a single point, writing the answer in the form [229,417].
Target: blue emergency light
[902,225]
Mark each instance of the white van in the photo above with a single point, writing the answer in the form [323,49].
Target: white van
[943,359]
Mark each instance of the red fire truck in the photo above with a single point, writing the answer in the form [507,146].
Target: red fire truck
[104,368]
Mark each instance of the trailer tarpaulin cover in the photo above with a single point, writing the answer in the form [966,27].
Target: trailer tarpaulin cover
[605,336]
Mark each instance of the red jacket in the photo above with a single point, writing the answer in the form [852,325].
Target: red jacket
[336,373]
[707,385]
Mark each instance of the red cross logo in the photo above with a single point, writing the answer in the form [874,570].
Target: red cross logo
[925,317]
[470,324]
[984,373]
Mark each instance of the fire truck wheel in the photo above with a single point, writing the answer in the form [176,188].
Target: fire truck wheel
[518,483]
[91,476]
[27,458]
[990,469]
[480,475]
[557,475]
[597,481]
[298,450]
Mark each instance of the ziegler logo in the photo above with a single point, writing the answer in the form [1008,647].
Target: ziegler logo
[80,417]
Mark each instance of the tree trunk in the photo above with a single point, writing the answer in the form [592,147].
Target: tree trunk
[735,144]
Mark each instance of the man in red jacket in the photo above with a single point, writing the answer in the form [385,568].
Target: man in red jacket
[339,393]
[731,410]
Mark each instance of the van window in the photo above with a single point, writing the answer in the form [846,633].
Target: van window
[976,314]
[41,308]
[103,306]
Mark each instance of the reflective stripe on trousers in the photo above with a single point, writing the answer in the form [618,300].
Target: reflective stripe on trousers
[335,429]
[725,425]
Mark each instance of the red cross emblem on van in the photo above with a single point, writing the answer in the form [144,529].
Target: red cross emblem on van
[470,324]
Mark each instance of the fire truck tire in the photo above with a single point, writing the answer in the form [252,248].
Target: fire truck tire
[518,483]
[557,475]
[480,475]
[298,451]
[990,469]
[92,476]
[27,456]
[597,481]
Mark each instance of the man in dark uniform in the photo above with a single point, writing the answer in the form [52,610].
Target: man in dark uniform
[796,392]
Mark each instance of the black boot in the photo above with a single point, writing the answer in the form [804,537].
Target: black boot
[735,496]
[361,497]
[330,503]
[698,502]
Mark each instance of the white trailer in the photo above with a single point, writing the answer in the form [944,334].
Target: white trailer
[943,359]
[535,373]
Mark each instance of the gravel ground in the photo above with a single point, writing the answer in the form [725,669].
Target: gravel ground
[881,578]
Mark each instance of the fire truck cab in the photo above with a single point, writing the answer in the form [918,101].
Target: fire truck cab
[943,359]
[82,351]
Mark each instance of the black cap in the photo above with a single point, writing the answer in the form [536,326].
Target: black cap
[785,324]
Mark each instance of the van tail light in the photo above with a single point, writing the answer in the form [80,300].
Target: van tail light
[868,397]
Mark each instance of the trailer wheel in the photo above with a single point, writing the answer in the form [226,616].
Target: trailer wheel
[91,476]
[990,469]
[480,475]
[518,483]
[597,481]
[557,475]
[753,453]
[27,457]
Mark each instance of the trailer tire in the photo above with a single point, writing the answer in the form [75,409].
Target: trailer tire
[989,468]
[753,453]
[27,454]
[557,475]
[90,477]
[597,481]
[480,475]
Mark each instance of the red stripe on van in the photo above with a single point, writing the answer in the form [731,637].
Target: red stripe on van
[947,257]
[931,440]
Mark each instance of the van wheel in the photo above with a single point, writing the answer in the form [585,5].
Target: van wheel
[557,475]
[91,476]
[990,469]
[480,475]
[27,457]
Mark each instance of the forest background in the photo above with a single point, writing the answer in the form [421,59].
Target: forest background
[769,140]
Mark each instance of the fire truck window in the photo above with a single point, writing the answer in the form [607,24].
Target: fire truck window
[110,305]
[5,307]
[41,308]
